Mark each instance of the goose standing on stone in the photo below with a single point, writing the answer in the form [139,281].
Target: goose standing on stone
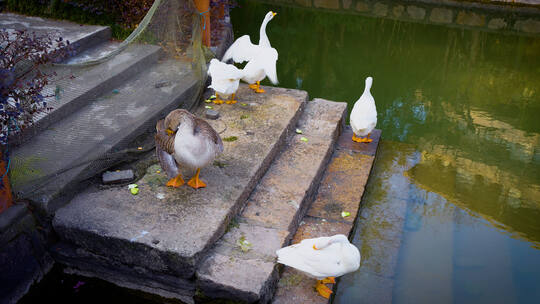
[225,80]
[263,55]
[363,117]
[186,140]
[323,258]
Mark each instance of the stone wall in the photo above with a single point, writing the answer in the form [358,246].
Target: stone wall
[23,256]
[520,16]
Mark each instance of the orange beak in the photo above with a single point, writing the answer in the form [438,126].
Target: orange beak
[169,132]
[315,247]
[273,14]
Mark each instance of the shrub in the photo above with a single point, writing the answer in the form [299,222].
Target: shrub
[21,80]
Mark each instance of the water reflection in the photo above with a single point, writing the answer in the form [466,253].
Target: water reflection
[460,156]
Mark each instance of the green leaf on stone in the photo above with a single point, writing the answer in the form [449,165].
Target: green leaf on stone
[134,191]
[244,116]
[208,107]
[345,214]
[298,131]
[304,139]
[244,244]
[208,101]
[230,138]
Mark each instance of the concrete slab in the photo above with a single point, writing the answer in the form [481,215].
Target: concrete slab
[168,230]
[49,170]
[273,211]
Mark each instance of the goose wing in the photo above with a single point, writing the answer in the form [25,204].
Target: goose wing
[241,50]
[318,263]
[268,58]
[165,150]
[205,130]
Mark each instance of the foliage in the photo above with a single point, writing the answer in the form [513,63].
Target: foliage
[21,80]
[121,15]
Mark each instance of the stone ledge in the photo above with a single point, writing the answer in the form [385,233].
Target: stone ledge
[145,230]
[274,209]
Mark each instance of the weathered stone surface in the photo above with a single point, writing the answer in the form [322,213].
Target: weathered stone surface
[416,12]
[441,15]
[345,142]
[346,3]
[82,262]
[342,187]
[470,18]
[497,23]
[380,9]
[528,26]
[331,4]
[362,6]
[397,10]
[167,230]
[282,192]
[23,262]
[99,129]
[116,177]
[226,277]
[275,207]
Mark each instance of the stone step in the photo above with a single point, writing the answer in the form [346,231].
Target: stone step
[341,189]
[166,231]
[49,169]
[81,37]
[273,211]
[75,87]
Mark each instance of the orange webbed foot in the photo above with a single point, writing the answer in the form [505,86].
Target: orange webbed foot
[323,290]
[176,181]
[195,182]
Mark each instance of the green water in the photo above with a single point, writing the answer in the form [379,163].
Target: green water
[451,213]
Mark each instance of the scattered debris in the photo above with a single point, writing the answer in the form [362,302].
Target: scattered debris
[345,214]
[230,138]
[212,114]
[244,244]
[244,116]
[298,131]
[139,148]
[219,164]
[115,91]
[133,188]
[160,196]
[304,139]
[243,104]
[116,177]
[208,107]
[162,84]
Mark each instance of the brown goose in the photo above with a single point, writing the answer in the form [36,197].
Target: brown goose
[183,139]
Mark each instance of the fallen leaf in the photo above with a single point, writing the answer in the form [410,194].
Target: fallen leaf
[304,139]
[345,213]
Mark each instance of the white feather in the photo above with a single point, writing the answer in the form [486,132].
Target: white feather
[363,117]
[334,256]
[225,77]
[262,65]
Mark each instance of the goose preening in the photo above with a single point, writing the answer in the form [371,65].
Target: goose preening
[363,117]
[261,57]
[225,80]
[323,258]
[183,139]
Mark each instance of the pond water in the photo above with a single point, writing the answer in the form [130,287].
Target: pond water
[451,213]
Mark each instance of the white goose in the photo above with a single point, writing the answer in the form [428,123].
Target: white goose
[323,258]
[225,80]
[264,55]
[363,117]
